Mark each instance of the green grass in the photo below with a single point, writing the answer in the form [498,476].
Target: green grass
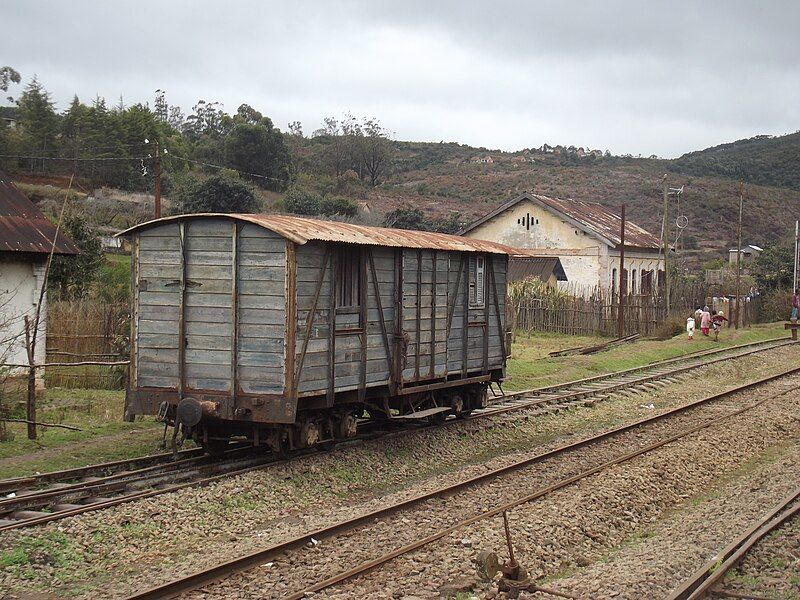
[530,366]
[103,436]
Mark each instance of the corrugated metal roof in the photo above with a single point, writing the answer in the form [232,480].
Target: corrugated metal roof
[591,217]
[301,230]
[524,267]
[23,227]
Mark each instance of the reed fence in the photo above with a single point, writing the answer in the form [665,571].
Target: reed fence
[87,331]
[596,312]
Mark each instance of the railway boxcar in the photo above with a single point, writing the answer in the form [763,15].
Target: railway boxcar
[287,330]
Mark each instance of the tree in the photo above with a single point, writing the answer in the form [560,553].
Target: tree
[255,146]
[375,150]
[7,77]
[38,119]
[773,267]
[409,217]
[71,277]
[222,193]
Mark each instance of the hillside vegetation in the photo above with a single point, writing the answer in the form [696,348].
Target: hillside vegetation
[765,160]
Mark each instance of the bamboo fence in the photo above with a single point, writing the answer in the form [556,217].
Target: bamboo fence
[86,331]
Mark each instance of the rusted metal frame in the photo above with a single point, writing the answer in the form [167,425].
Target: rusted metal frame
[399,317]
[452,307]
[133,378]
[234,311]
[496,300]
[434,291]
[465,331]
[444,384]
[182,314]
[362,321]
[384,332]
[312,314]
[330,396]
[290,345]
[418,341]
[487,261]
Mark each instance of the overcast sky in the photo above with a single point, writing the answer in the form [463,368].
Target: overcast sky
[633,77]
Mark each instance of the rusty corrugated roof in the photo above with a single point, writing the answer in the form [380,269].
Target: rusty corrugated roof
[301,230]
[590,217]
[524,267]
[23,227]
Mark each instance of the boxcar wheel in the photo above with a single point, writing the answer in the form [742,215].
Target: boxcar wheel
[216,447]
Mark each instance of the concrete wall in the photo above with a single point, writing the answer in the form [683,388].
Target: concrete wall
[635,263]
[588,262]
[527,225]
[20,281]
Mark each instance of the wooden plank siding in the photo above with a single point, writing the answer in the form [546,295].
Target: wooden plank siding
[209,307]
[347,334]
[210,314]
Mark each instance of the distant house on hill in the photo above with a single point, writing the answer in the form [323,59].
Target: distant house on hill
[749,254]
[483,159]
[26,238]
[583,235]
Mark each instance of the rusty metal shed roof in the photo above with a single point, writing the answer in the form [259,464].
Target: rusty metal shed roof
[23,227]
[301,230]
[524,267]
[593,218]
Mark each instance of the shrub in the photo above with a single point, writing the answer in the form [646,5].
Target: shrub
[776,305]
[301,201]
[338,206]
[218,194]
[671,326]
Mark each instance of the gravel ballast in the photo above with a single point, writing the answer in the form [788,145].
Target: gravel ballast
[135,545]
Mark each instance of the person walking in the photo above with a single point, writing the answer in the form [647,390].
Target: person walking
[690,324]
[716,321]
[705,322]
[795,307]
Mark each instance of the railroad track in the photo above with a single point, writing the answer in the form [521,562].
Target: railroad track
[704,582]
[201,579]
[72,492]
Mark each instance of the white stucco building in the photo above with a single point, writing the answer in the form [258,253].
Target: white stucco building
[26,238]
[584,235]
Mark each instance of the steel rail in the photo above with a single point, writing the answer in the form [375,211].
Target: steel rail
[203,578]
[702,582]
[511,402]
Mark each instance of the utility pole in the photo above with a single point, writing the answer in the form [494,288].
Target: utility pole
[666,244]
[622,279]
[157,172]
[796,240]
[737,312]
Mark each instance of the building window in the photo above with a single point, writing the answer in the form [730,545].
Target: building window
[613,281]
[527,221]
[633,281]
[477,281]
[348,277]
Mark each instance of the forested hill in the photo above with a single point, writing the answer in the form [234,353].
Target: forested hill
[764,159]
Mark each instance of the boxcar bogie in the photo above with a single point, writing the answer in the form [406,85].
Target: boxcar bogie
[291,331]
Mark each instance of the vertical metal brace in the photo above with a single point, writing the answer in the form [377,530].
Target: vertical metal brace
[362,318]
[384,331]
[332,329]
[500,328]
[419,315]
[399,318]
[433,315]
[465,328]
[182,315]
[487,261]
[290,383]
[234,312]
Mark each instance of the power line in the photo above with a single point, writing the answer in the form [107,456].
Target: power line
[93,158]
[205,164]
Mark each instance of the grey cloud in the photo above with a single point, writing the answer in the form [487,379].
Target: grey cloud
[634,77]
